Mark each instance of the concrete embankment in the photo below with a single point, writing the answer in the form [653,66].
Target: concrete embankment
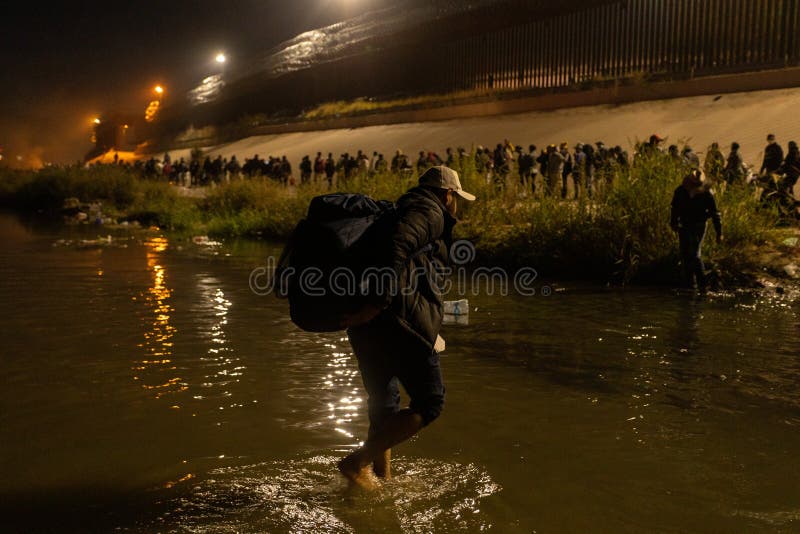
[698,120]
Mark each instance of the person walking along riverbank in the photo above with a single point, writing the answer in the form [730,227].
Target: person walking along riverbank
[693,204]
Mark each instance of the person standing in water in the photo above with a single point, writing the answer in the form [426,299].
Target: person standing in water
[693,204]
[396,339]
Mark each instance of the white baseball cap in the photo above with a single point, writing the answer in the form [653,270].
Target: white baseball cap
[444,177]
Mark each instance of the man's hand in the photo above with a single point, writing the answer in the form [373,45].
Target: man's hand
[364,315]
[439,345]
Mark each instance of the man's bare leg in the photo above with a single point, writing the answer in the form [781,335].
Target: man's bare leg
[382,465]
[397,428]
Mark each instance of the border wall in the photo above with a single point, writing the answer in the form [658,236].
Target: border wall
[533,47]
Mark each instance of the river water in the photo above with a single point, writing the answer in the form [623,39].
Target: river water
[146,388]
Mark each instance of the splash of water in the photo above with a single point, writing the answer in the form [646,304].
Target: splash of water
[307,494]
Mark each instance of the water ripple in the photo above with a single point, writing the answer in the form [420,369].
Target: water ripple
[308,494]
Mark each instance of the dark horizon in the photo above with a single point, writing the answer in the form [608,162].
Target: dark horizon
[72,62]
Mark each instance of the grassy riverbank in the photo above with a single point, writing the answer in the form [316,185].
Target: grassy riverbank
[622,235]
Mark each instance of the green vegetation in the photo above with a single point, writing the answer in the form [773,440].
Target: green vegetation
[121,193]
[622,235]
[365,105]
[356,106]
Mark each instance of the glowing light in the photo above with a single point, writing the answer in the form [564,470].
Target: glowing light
[96,120]
[158,89]
[152,109]
[220,58]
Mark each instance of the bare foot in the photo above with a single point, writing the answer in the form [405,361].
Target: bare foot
[359,476]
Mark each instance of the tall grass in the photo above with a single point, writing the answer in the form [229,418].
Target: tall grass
[159,204]
[49,188]
[258,207]
[621,235]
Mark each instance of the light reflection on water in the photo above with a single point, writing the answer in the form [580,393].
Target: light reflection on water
[170,370]
[220,361]
[344,382]
[156,372]
[323,369]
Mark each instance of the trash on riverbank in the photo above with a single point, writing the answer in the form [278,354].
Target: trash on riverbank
[456,312]
[203,240]
[77,212]
[100,242]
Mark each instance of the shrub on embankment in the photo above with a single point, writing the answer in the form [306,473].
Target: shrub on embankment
[253,208]
[621,235]
[119,192]
[47,189]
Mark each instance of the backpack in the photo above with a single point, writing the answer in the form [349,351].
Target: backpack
[341,233]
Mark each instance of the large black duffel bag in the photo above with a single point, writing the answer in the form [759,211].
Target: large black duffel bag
[321,268]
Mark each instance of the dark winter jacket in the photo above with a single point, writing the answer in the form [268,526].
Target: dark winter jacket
[791,165]
[773,157]
[693,206]
[734,168]
[421,220]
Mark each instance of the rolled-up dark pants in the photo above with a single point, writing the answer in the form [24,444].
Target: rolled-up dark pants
[387,355]
[690,237]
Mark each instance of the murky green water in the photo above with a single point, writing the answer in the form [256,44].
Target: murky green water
[145,388]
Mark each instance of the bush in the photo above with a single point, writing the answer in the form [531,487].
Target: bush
[158,204]
[48,188]
[256,207]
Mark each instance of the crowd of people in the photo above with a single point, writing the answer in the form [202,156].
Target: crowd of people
[553,170]
[210,171]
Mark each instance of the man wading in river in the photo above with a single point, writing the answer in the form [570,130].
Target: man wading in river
[395,339]
[692,205]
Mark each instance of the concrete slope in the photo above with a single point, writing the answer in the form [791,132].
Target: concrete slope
[743,117]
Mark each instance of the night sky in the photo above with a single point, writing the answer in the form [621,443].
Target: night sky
[66,63]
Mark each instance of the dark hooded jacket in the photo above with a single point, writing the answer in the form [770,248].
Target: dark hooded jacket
[417,251]
[693,205]
[773,157]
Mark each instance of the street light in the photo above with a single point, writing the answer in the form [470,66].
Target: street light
[152,107]
[220,58]
[96,124]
